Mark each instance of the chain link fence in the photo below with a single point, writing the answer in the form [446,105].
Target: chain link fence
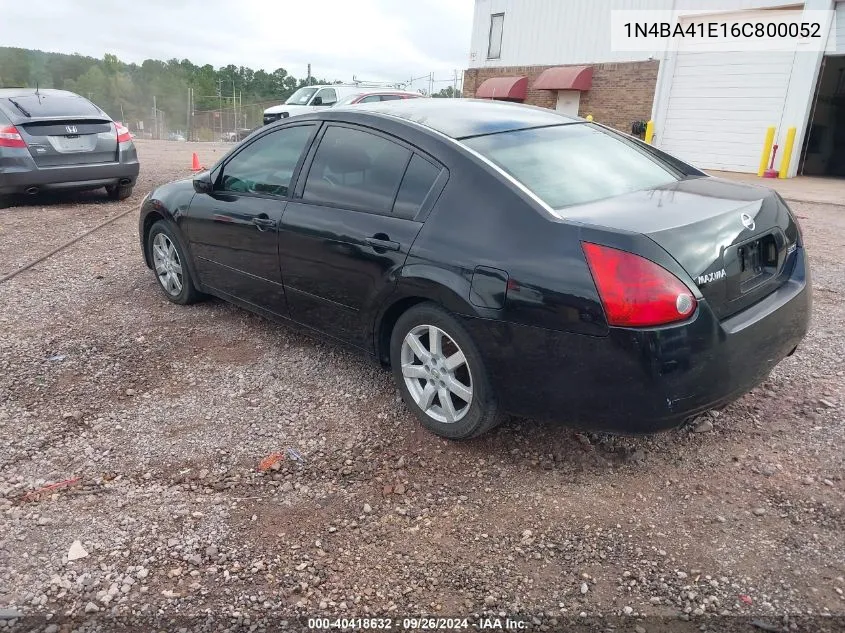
[227,123]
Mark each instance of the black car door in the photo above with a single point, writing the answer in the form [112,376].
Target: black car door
[233,231]
[350,226]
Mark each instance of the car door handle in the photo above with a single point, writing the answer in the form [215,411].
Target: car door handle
[382,244]
[263,223]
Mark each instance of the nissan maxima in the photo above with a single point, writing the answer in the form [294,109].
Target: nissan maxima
[498,258]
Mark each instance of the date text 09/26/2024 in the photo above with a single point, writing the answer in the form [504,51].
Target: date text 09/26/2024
[417,624]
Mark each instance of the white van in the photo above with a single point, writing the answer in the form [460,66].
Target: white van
[309,99]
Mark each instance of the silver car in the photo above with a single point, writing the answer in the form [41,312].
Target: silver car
[56,140]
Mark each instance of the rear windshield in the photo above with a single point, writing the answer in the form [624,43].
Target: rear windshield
[48,105]
[573,164]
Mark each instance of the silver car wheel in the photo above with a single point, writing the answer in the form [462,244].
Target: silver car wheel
[436,374]
[167,265]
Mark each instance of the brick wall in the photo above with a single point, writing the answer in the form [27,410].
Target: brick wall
[621,93]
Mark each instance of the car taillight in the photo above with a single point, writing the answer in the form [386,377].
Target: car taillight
[10,137]
[636,292]
[122,132]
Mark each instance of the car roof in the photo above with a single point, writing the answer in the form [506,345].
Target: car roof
[5,93]
[463,118]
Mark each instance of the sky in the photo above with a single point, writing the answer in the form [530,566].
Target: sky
[375,40]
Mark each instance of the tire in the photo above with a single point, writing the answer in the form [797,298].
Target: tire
[423,321]
[119,192]
[173,275]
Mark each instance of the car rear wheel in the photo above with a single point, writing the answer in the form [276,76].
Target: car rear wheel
[441,374]
[170,265]
[119,192]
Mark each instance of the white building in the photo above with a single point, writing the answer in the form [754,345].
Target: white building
[711,109]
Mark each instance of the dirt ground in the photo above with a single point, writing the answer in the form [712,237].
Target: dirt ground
[164,413]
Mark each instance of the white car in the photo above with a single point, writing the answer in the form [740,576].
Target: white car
[312,98]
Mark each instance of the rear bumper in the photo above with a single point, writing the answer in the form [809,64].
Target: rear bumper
[644,380]
[19,173]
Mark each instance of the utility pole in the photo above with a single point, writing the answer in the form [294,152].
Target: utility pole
[234,108]
[188,116]
[155,118]
[430,84]
[308,81]
[220,95]
[455,86]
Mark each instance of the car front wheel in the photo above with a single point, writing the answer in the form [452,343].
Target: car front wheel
[441,374]
[170,264]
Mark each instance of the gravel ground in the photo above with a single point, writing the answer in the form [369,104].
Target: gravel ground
[164,413]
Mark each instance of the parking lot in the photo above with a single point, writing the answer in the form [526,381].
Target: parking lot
[164,413]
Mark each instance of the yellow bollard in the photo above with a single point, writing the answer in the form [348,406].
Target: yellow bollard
[589,117]
[787,152]
[767,150]
[649,132]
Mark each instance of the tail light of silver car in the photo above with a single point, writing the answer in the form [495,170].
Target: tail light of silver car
[10,137]
[123,135]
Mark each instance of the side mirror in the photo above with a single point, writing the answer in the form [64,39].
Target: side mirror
[317,101]
[203,183]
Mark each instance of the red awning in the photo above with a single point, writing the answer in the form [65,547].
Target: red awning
[565,78]
[503,88]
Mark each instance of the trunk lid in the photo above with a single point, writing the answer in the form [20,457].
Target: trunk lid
[54,143]
[61,128]
[734,240]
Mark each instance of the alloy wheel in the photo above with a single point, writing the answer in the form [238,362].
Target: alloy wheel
[167,264]
[436,373]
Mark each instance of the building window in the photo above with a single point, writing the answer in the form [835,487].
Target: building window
[494,46]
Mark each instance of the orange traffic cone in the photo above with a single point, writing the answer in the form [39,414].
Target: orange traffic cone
[195,163]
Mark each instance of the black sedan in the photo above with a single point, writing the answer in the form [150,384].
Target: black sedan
[499,258]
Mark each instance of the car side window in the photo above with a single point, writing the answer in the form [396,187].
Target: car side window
[417,183]
[328,96]
[390,97]
[267,164]
[356,170]
[370,99]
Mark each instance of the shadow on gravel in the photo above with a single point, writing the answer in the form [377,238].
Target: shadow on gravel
[527,444]
[95,196]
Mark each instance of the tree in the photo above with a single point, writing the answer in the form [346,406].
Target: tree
[447,93]
[126,91]
[94,86]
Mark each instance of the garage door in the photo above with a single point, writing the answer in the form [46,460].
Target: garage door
[720,104]
[836,43]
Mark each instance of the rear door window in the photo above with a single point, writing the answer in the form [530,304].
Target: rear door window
[416,185]
[356,170]
[370,99]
